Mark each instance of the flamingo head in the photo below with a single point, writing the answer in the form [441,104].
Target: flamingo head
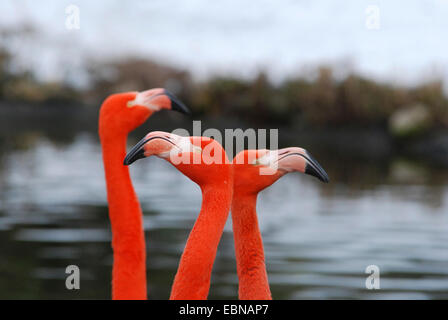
[202,159]
[256,170]
[126,111]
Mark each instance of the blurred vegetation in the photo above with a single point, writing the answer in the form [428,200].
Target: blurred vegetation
[132,74]
[324,101]
[353,101]
[24,87]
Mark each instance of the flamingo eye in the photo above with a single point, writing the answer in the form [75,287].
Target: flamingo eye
[196,149]
[262,161]
[184,144]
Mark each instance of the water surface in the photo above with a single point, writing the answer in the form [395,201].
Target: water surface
[318,238]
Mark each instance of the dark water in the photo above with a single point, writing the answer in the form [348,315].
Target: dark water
[318,238]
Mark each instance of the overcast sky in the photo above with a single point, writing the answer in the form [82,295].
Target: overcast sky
[241,36]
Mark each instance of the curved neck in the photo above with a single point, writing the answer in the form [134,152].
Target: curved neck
[251,268]
[192,281]
[128,240]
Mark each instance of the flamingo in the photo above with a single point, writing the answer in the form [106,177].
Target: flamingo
[248,182]
[119,115]
[204,161]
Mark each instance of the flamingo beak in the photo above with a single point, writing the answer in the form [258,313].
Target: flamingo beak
[313,168]
[158,98]
[138,151]
[298,159]
[176,104]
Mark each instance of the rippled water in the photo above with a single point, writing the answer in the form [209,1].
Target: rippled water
[318,238]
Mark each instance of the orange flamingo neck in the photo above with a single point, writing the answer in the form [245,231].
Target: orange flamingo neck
[192,280]
[128,240]
[251,268]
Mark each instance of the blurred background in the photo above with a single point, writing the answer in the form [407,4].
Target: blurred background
[362,85]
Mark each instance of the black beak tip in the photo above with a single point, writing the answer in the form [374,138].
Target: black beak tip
[176,104]
[316,170]
[127,160]
[322,176]
[134,155]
